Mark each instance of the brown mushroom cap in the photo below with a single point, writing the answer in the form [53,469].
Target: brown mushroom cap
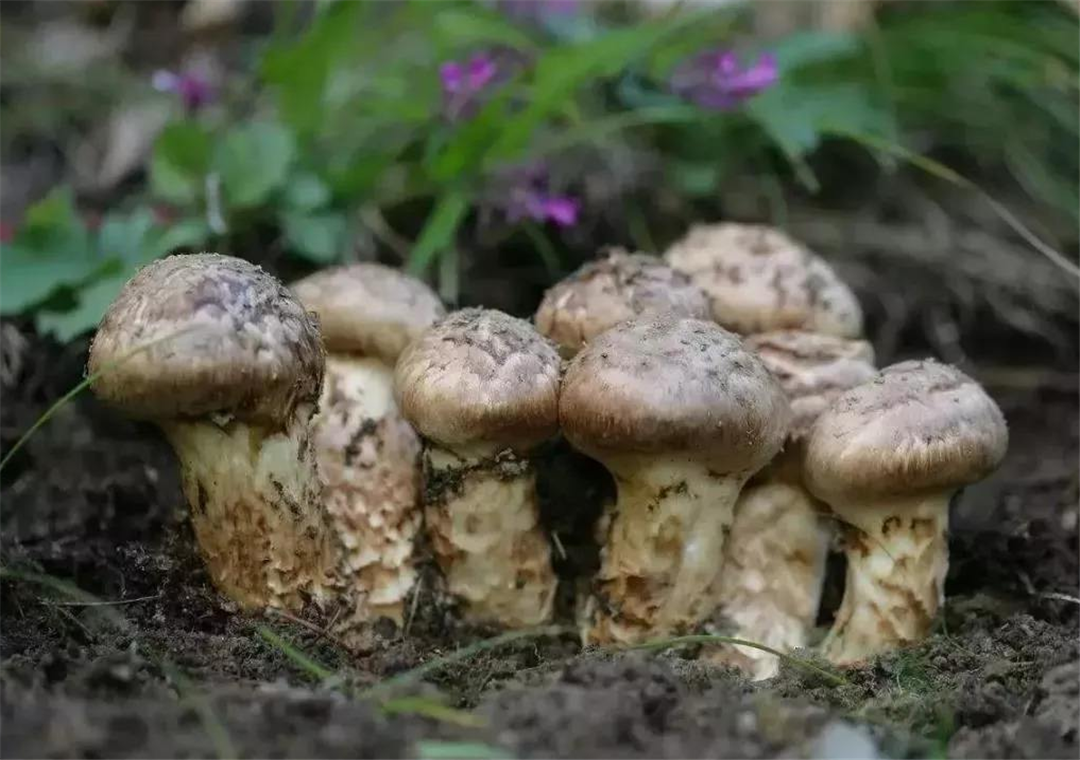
[225,337]
[917,426]
[369,309]
[613,289]
[759,279]
[673,385]
[480,375]
[812,369]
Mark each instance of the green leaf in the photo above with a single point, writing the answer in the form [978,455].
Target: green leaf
[124,236]
[439,230]
[451,750]
[180,161]
[253,161]
[456,28]
[52,250]
[812,47]
[322,238]
[93,300]
[299,72]
[188,233]
[305,192]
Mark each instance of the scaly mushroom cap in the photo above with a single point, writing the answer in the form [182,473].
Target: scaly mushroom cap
[611,290]
[224,338]
[480,375]
[812,369]
[673,385]
[917,426]
[369,309]
[758,279]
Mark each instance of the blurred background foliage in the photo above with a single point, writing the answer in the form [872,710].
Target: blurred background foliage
[300,134]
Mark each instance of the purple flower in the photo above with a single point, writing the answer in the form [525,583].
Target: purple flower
[715,79]
[194,90]
[529,196]
[463,84]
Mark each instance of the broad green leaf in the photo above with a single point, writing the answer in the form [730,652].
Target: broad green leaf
[180,161]
[321,238]
[439,230]
[188,233]
[253,161]
[93,300]
[125,236]
[305,192]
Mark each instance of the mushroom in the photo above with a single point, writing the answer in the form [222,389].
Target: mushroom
[610,290]
[368,455]
[682,415]
[223,358]
[758,279]
[887,457]
[482,388]
[775,568]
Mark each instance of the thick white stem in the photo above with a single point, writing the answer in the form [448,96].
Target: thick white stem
[661,561]
[773,574]
[483,520]
[369,461]
[255,505]
[897,556]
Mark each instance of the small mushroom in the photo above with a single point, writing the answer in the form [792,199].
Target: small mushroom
[758,279]
[887,457]
[682,415]
[230,366]
[368,455]
[613,289]
[482,388]
[775,568]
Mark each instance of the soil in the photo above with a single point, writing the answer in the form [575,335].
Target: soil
[115,644]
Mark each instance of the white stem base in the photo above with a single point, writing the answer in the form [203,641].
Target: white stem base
[369,461]
[773,575]
[661,561]
[483,521]
[897,558]
[254,496]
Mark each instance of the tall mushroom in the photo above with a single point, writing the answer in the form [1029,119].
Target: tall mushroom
[616,287]
[758,279]
[369,456]
[482,388]
[223,358]
[775,568]
[682,415]
[887,457]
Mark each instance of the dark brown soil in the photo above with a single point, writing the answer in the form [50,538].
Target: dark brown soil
[167,669]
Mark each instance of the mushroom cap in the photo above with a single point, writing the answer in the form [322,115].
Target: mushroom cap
[759,279]
[220,336]
[480,376]
[812,369]
[369,309]
[668,385]
[613,289]
[915,427]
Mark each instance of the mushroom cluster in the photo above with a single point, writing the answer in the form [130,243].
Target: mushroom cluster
[727,388]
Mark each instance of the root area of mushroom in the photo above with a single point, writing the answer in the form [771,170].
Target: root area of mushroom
[897,560]
[773,575]
[483,521]
[369,460]
[661,562]
[251,492]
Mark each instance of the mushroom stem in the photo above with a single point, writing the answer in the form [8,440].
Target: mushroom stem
[483,520]
[253,492]
[773,573]
[897,558]
[665,547]
[369,463]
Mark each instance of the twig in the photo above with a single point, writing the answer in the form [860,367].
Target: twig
[372,217]
[103,603]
